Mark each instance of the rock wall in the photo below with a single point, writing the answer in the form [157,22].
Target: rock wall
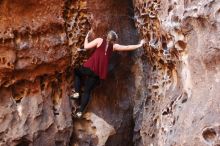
[182,103]
[164,94]
[34,57]
[39,40]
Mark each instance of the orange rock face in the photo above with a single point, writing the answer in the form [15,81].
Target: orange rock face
[32,36]
[38,52]
[34,56]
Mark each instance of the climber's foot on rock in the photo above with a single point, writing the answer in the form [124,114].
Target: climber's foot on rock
[78,114]
[74,95]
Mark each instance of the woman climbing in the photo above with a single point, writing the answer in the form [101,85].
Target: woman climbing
[96,67]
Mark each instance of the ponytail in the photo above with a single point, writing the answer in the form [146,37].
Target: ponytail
[112,36]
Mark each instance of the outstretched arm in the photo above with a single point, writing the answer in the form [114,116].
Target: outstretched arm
[118,47]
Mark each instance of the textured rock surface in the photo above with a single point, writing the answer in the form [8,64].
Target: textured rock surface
[34,57]
[165,94]
[182,107]
[97,131]
[36,50]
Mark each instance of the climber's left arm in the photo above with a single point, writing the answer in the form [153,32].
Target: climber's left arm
[117,47]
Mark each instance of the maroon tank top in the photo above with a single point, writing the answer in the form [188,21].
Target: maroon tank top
[99,60]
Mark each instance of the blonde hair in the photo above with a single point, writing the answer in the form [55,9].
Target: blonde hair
[112,36]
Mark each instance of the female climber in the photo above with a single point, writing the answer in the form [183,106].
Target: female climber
[96,67]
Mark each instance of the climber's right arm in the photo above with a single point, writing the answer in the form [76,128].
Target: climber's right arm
[92,44]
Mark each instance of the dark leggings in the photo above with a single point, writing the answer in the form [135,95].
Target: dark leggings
[90,81]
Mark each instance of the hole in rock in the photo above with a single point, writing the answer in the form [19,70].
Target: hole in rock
[184,100]
[161,62]
[153,135]
[8,64]
[3,60]
[19,91]
[70,35]
[217,15]
[209,134]
[182,44]
[42,82]
[170,8]
[164,113]
[154,67]
[23,142]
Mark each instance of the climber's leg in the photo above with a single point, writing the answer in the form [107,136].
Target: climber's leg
[90,83]
[78,76]
[79,73]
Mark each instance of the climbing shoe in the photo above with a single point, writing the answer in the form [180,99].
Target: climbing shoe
[79,114]
[74,95]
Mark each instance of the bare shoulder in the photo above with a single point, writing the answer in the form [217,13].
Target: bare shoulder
[99,41]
